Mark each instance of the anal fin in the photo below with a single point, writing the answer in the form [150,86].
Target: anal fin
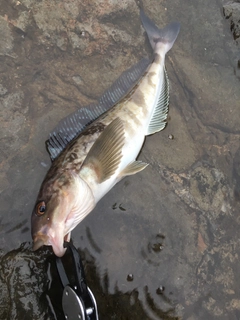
[132,168]
[159,117]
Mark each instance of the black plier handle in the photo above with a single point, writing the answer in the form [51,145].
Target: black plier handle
[78,301]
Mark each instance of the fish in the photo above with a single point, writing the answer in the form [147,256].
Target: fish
[97,146]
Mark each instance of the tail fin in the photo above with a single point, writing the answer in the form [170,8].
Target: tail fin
[166,36]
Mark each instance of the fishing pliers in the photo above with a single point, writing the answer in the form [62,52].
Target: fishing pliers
[78,302]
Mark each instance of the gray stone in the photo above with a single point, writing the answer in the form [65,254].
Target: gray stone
[3,90]
[231,11]
[6,38]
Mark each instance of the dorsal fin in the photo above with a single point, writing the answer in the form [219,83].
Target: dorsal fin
[76,122]
[159,117]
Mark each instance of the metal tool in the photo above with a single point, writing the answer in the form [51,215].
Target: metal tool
[78,302]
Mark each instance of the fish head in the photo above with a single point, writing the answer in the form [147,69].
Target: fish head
[61,204]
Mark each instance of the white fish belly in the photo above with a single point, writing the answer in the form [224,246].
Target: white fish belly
[130,152]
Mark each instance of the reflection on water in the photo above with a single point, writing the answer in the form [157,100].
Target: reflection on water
[163,244]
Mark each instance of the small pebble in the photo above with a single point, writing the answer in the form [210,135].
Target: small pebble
[130,277]
[44,164]
[170,136]
[160,289]
[121,207]
[114,206]
[157,247]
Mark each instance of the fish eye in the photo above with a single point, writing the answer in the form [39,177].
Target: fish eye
[40,208]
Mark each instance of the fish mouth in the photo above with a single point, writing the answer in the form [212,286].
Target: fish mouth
[37,244]
[39,240]
[57,244]
[58,249]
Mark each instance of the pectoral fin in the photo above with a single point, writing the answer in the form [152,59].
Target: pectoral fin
[133,167]
[105,155]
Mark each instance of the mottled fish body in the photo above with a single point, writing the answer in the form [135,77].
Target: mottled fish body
[87,166]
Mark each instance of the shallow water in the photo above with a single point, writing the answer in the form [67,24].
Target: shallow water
[174,226]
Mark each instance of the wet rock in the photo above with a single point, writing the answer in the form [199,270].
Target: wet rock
[207,187]
[57,56]
[77,25]
[15,127]
[231,11]
[236,175]
[203,188]
[6,38]
[22,22]
[22,273]
[218,94]
[159,149]
[3,90]
[207,82]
